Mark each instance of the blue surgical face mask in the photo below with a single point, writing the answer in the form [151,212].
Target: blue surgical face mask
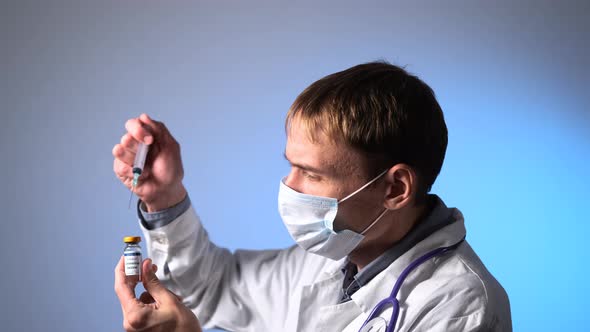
[310,221]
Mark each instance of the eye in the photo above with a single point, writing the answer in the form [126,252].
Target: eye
[310,176]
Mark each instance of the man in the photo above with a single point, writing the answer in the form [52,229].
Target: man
[365,145]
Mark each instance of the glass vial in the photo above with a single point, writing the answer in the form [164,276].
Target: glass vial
[133,259]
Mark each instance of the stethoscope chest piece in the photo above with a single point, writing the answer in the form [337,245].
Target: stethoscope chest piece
[377,324]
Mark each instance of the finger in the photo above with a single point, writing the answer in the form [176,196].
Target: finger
[155,268]
[129,143]
[146,298]
[123,154]
[155,126]
[139,131]
[178,297]
[122,170]
[142,317]
[124,290]
[125,174]
[152,284]
[137,315]
[158,128]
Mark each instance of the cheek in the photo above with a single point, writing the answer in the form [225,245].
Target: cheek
[357,212]
[323,187]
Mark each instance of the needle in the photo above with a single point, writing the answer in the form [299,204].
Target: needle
[130,197]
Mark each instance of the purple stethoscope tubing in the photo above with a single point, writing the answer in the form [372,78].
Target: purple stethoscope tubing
[391,299]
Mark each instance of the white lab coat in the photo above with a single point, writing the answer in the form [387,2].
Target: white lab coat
[292,290]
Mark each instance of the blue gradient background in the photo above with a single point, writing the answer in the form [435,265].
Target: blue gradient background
[511,78]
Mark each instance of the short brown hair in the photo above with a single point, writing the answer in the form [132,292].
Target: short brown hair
[382,111]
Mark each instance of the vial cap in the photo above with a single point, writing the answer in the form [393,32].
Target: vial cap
[132,239]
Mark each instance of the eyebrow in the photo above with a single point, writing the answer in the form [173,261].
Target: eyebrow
[303,166]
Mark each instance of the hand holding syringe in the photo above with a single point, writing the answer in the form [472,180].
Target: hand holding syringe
[148,162]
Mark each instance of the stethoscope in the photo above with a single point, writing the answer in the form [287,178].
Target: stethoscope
[374,323]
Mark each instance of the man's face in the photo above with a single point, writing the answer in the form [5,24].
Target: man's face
[332,169]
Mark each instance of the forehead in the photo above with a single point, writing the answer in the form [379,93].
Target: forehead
[318,150]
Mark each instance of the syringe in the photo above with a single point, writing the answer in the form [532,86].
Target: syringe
[138,164]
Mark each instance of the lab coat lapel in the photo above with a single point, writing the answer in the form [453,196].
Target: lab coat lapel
[324,292]
[337,317]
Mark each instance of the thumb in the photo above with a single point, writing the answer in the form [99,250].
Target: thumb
[152,284]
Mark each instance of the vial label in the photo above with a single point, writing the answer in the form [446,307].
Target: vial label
[132,263]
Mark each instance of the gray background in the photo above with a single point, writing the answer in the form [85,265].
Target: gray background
[512,77]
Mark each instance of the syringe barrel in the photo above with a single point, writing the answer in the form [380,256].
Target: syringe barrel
[142,151]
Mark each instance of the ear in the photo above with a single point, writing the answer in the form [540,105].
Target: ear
[402,185]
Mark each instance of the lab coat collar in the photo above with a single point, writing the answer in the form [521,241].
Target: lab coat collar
[381,285]
[333,267]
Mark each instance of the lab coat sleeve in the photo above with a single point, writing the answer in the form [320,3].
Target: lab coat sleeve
[233,291]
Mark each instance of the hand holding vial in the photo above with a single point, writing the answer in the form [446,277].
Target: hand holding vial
[157,309]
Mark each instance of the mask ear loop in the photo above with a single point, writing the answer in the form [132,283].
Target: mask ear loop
[363,187]
[374,222]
